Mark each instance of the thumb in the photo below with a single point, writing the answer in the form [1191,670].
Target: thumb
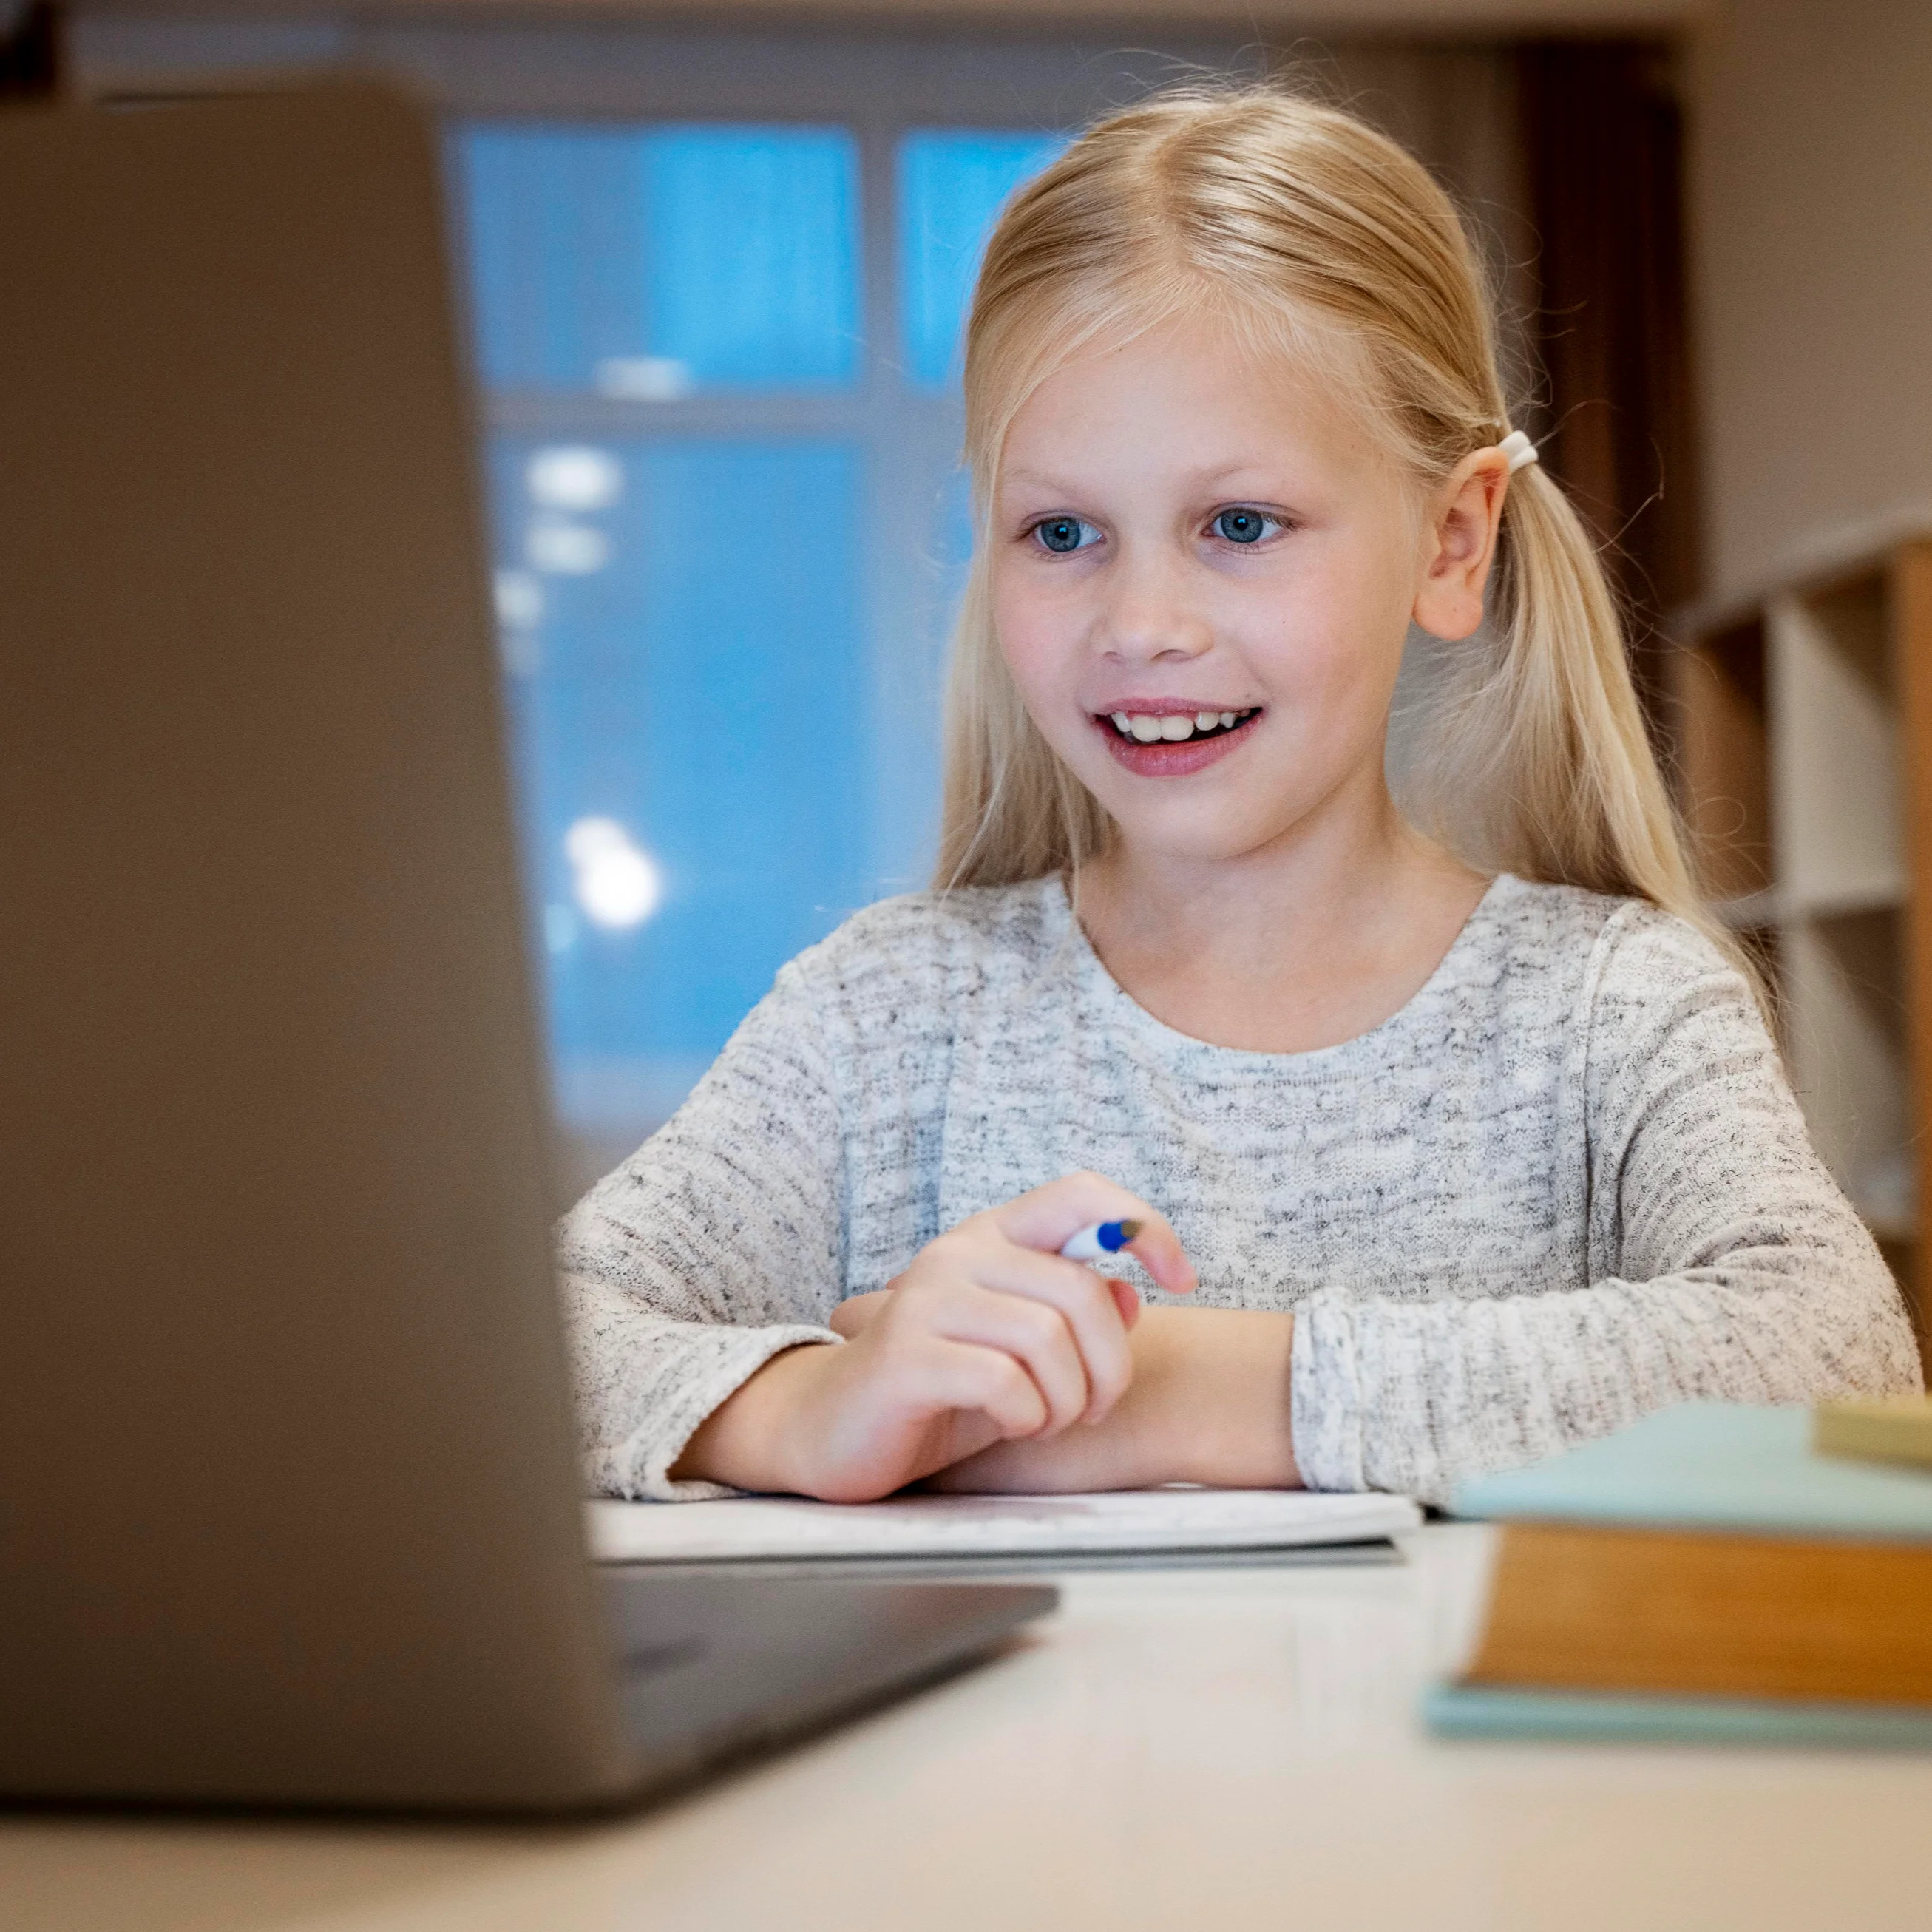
[855,1314]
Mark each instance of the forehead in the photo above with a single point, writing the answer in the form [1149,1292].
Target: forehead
[1191,400]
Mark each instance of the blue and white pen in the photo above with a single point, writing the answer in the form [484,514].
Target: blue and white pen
[1101,1241]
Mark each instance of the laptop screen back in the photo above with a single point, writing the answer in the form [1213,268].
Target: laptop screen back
[287,1496]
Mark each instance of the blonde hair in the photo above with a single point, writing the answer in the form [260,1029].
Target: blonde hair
[1307,231]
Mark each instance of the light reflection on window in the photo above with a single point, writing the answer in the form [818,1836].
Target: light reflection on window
[618,885]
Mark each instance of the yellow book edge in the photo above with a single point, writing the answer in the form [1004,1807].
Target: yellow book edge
[1890,1428]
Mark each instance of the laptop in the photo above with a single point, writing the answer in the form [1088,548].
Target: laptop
[289,1506]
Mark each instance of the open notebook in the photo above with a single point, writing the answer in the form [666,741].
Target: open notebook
[1165,1522]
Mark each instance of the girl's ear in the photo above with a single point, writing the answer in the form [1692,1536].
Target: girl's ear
[1459,543]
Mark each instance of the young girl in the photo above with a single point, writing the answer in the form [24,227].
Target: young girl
[1457,1138]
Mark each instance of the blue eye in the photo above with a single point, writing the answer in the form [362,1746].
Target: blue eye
[1242,527]
[1062,534]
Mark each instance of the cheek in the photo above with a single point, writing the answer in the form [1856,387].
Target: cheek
[1039,644]
[1343,676]
[1307,661]
[1328,677]
[1335,644]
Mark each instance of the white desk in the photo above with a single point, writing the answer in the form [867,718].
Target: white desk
[1207,1749]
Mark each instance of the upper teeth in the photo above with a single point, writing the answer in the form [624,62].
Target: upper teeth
[1173,726]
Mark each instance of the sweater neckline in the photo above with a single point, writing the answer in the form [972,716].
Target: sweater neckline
[1379,1045]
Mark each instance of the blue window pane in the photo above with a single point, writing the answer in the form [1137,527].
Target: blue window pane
[556,249]
[754,253]
[641,263]
[689,690]
[951,186]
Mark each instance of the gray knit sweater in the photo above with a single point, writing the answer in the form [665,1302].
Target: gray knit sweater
[1566,1184]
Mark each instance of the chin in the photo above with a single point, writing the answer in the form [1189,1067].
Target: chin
[1202,839]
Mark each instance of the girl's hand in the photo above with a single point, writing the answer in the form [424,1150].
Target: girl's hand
[989,1336]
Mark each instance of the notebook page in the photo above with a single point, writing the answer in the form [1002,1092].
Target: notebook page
[1167,1519]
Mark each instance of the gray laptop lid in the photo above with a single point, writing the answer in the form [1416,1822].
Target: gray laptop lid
[287,1499]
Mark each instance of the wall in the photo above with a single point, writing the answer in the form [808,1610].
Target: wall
[1811,212]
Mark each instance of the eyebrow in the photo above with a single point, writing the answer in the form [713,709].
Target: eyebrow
[1196,479]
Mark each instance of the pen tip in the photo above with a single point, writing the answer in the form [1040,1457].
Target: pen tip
[1130,1229]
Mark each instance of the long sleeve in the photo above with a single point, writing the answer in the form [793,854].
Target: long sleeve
[1724,1263]
[718,1243]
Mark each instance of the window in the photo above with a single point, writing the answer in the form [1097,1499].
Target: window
[710,486]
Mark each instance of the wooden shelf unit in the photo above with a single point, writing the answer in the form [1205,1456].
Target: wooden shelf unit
[1803,728]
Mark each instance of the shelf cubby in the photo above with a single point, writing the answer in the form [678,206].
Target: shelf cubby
[1799,719]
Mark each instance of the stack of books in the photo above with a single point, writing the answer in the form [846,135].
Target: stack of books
[1712,1573]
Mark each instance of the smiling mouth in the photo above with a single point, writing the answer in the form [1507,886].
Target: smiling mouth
[1173,743]
[1176,728]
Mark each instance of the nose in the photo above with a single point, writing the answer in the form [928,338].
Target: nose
[1148,614]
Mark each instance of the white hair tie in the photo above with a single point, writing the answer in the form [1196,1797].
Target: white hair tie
[1520,451]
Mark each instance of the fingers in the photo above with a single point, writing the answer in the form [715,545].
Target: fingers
[989,1318]
[992,1380]
[1049,1217]
[1086,1306]
[1036,1335]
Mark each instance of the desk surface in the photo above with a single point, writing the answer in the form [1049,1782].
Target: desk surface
[1213,1749]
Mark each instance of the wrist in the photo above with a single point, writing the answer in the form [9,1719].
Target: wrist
[748,1440]
[1213,1397]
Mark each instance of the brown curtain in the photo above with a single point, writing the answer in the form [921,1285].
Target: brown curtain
[1602,141]
[30,47]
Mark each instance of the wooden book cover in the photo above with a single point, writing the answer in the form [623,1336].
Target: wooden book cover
[1710,1548]
[1729,1615]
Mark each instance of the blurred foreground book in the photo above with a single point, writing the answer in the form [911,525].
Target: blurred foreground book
[1706,1575]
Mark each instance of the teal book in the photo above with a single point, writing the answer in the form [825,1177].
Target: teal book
[1714,1466]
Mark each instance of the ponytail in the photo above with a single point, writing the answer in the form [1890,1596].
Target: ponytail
[1541,723]
[1536,759]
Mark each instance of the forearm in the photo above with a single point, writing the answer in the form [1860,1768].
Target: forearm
[1209,1403]
[1417,1397]
[1211,1400]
